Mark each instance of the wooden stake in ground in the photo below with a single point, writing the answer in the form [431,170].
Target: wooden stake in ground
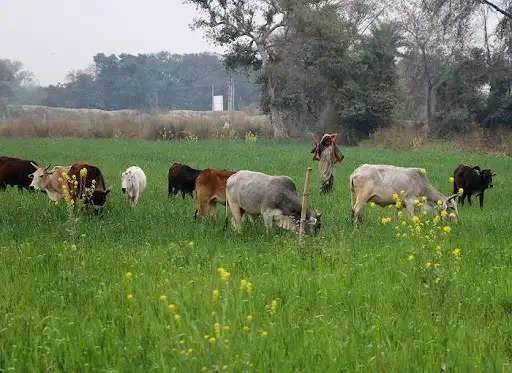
[305,197]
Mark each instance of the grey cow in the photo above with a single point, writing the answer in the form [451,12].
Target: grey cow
[377,183]
[273,197]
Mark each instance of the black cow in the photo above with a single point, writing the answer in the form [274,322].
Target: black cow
[182,178]
[472,180]
[16,172]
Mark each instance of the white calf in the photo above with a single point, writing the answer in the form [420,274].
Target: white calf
[133,183]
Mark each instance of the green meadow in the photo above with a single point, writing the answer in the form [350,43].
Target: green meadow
[139,289]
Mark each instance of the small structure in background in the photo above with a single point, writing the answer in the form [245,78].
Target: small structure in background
[218,103]
[328,154]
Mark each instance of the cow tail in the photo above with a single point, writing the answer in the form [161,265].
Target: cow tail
[227,215]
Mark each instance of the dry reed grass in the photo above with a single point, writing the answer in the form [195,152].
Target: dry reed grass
[400,136]
[172,126]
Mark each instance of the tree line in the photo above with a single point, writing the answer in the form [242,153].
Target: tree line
[353,66]
[349,66]
[146,82]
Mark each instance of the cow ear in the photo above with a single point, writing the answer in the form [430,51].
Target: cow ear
[493,174]
[109,189]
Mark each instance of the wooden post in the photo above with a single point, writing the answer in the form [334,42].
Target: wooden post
[303,214]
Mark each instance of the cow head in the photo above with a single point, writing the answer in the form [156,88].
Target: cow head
[450,205]
[126,179]
[39,177]
[313,224]
[98,199]
[486,176]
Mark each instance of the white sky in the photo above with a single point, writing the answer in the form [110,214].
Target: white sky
[53,37]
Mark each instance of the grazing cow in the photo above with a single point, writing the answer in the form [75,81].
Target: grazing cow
[15,172]
[93,178]
[472,180]
[210,190]
[182,178]
[273,197]
[133,183]
[48,181]
[378,183]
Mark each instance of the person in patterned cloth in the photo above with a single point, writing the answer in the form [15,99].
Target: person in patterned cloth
[327,154]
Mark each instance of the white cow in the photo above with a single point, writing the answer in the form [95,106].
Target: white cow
[133,183]
[378,183]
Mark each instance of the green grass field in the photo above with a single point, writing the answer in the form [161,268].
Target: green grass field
[349,300]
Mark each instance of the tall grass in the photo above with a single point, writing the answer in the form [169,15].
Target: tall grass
[350,300]
[173,126]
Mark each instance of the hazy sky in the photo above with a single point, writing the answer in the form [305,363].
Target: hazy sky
[52,37]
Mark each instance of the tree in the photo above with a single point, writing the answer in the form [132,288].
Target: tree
[249,28]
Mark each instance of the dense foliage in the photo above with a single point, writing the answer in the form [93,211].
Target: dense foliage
[150,82]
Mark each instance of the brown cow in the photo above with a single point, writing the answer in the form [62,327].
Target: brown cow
[210,190]
[16,172]
[93,176]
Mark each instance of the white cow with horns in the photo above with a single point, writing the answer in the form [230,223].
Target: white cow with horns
[378,183]
[133,183]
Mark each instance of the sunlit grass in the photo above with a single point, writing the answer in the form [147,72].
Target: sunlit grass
[148,288]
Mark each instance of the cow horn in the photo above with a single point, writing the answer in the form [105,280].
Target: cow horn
[33,164]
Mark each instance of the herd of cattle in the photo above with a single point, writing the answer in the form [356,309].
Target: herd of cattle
[250,194]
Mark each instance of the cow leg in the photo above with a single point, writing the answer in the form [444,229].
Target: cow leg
[212,209]
[481,196]
[358,210]
[182,194]
[469,198]
[268,219]
[236,221]
[461,199]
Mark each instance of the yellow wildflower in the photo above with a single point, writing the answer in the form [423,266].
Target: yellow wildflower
[398,204]
[428,265]
[447,229]
[172,308]
[372,204]
[264,333]
[249,319]
[456,252]
[400,213]
[224,275]
[439,203]
[206,336]
[128,275]
[211,340]
[190,351]
[460,192]
[215,295]
[402,192]
[130,297]
[444,213]
[424,198]
[451,179]
[452,215]
[246,328]
[224,367]
[410,257]
[436,219]
[177,318]
[394,196]
[163,298]
[404,223]
[385,220]
[83,172]
[415,219]
[423,171]
[191,243]
[273,307]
